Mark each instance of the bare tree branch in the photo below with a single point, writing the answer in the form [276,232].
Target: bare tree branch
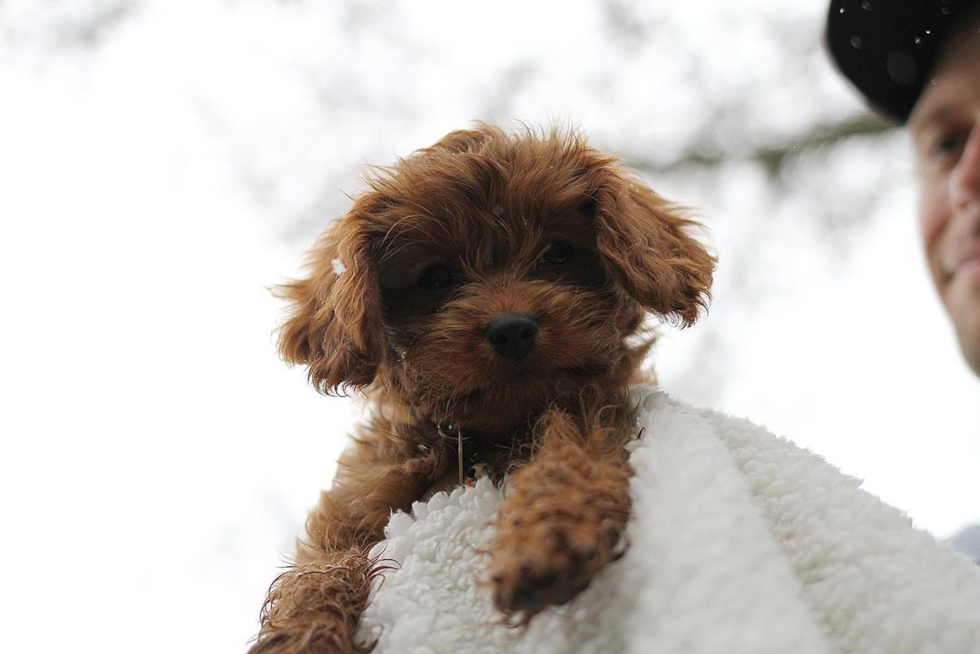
[772,158]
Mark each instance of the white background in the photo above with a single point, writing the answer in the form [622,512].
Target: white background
[157,175]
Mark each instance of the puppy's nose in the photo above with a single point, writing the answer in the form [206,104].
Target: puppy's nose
[512,334]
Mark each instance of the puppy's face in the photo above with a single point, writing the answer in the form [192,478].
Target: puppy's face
[494,311]
[486,277]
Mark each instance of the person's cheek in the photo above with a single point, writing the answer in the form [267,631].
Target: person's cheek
[933,219]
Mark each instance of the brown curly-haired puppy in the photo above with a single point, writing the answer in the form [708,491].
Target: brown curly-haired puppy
[488,290]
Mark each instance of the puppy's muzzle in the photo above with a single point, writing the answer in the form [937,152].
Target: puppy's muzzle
[512,335]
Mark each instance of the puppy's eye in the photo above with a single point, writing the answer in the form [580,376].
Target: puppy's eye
[436,278]
[558,253]
[590,206]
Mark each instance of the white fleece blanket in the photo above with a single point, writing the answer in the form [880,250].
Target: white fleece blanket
[740,542]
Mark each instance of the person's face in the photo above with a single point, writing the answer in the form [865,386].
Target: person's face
[945,128]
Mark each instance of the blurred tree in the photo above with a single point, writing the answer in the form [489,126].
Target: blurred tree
[63,24]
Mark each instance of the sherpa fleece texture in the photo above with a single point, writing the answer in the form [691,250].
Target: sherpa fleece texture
[740,543]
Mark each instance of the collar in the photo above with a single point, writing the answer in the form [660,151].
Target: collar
[470,467]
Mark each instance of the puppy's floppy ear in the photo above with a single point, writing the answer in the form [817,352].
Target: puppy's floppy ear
[335,324]
[644,242]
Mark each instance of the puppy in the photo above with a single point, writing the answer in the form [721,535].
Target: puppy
[488,295]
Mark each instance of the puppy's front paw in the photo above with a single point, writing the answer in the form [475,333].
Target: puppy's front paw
[315,608]
[547,556]
[315,641]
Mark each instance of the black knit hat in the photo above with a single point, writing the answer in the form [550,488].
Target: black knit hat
[888,48]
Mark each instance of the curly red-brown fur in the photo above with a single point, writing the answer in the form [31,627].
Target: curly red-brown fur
[565,510]
[397,304]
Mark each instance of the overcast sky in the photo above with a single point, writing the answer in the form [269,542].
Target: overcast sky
[163,163]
